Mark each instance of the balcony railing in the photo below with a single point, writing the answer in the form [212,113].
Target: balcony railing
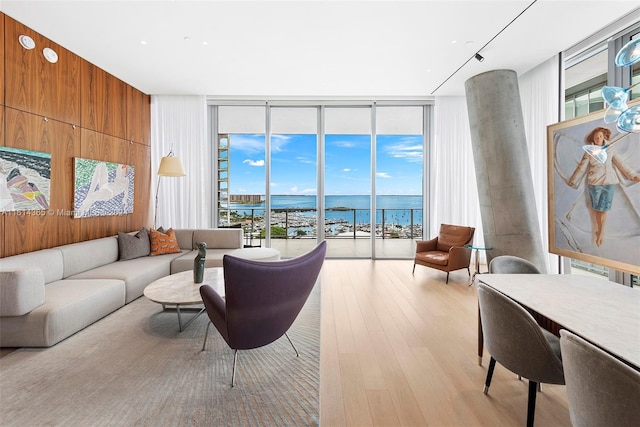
[339,223]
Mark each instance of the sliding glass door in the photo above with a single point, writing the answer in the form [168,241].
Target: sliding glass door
[347,182]
[352,175]
[294,184]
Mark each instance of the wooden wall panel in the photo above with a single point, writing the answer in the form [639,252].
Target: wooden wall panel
[46,108]
[140,159]
[34,84]
[98,146]
[104,101]
[27,231]
[2,17]
[2,215]
[138,116]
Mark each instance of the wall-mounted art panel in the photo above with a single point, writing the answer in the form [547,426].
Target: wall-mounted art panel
[35,84]
[102,188]
[594,207]
[25,178]
[27,231]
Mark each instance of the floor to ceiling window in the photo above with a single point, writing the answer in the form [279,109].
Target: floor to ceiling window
[291,176]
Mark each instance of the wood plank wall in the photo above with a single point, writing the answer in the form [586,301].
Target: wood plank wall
[68,109]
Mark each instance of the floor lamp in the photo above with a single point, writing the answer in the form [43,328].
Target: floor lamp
[170,165]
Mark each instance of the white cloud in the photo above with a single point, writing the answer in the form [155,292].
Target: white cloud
[346,170]
[254,162]
[407,149]
[294,189]
[383,175]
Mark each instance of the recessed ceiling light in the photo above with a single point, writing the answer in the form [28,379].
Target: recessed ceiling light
[26,42]
[454,41]
[50,55]
[143,42]
[205,43]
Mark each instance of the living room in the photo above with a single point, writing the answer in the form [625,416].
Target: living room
[78,108]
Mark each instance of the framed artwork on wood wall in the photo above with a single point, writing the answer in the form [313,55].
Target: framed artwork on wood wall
[594,207]
[24,180]
[102,188]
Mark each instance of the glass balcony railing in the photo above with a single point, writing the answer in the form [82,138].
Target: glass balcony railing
[339,223]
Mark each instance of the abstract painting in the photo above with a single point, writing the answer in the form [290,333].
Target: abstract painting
[24,180]
[102,188]
[594,207]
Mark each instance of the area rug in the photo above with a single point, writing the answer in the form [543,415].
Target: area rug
[134,368]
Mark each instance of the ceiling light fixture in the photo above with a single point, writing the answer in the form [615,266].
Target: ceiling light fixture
[26,42]
[479,57]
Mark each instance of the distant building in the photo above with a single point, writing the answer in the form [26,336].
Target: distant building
[246,198]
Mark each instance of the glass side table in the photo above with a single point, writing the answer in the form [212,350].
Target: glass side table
[477,249]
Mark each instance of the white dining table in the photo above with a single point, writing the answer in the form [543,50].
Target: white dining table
[605,313]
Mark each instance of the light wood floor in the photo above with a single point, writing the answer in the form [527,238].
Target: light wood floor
[400,349]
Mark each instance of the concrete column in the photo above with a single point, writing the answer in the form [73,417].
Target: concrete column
[503,173]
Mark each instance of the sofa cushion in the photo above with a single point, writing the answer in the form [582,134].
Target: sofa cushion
[185,262]
[136,273]
[51,258]
[70,305]
[164,243]
[185,238]
[83,256]
[136,246]
[219,238]
[21,291]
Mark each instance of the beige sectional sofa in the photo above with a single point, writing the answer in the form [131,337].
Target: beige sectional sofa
[48,295]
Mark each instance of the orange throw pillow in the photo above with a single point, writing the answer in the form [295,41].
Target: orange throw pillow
[163,243]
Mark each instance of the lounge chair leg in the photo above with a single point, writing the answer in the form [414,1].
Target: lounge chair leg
[206,333]
[291,342]
[447,281]
[414,268]
[469,271]
[233,371]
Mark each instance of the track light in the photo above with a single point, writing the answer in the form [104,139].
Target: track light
[479,57]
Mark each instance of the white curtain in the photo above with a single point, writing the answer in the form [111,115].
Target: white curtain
[539,95]
[454,193]
[178,124]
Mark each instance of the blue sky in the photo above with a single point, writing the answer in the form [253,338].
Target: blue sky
[347,164]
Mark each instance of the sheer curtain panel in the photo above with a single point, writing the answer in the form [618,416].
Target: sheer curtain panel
[178,124]
[539,89]
[454,198]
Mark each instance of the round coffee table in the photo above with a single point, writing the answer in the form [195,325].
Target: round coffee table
[258,254]
[179,290]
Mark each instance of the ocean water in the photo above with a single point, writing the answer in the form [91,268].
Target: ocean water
[397,209]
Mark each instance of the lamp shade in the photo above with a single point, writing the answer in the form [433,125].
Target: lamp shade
[171,166]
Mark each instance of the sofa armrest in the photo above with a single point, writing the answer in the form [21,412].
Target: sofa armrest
[426,245]
[21,290]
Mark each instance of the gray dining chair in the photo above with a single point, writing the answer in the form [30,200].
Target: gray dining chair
[509,264]
[513,338]
[602,391]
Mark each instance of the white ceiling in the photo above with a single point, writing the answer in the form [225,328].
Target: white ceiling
[313,49]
